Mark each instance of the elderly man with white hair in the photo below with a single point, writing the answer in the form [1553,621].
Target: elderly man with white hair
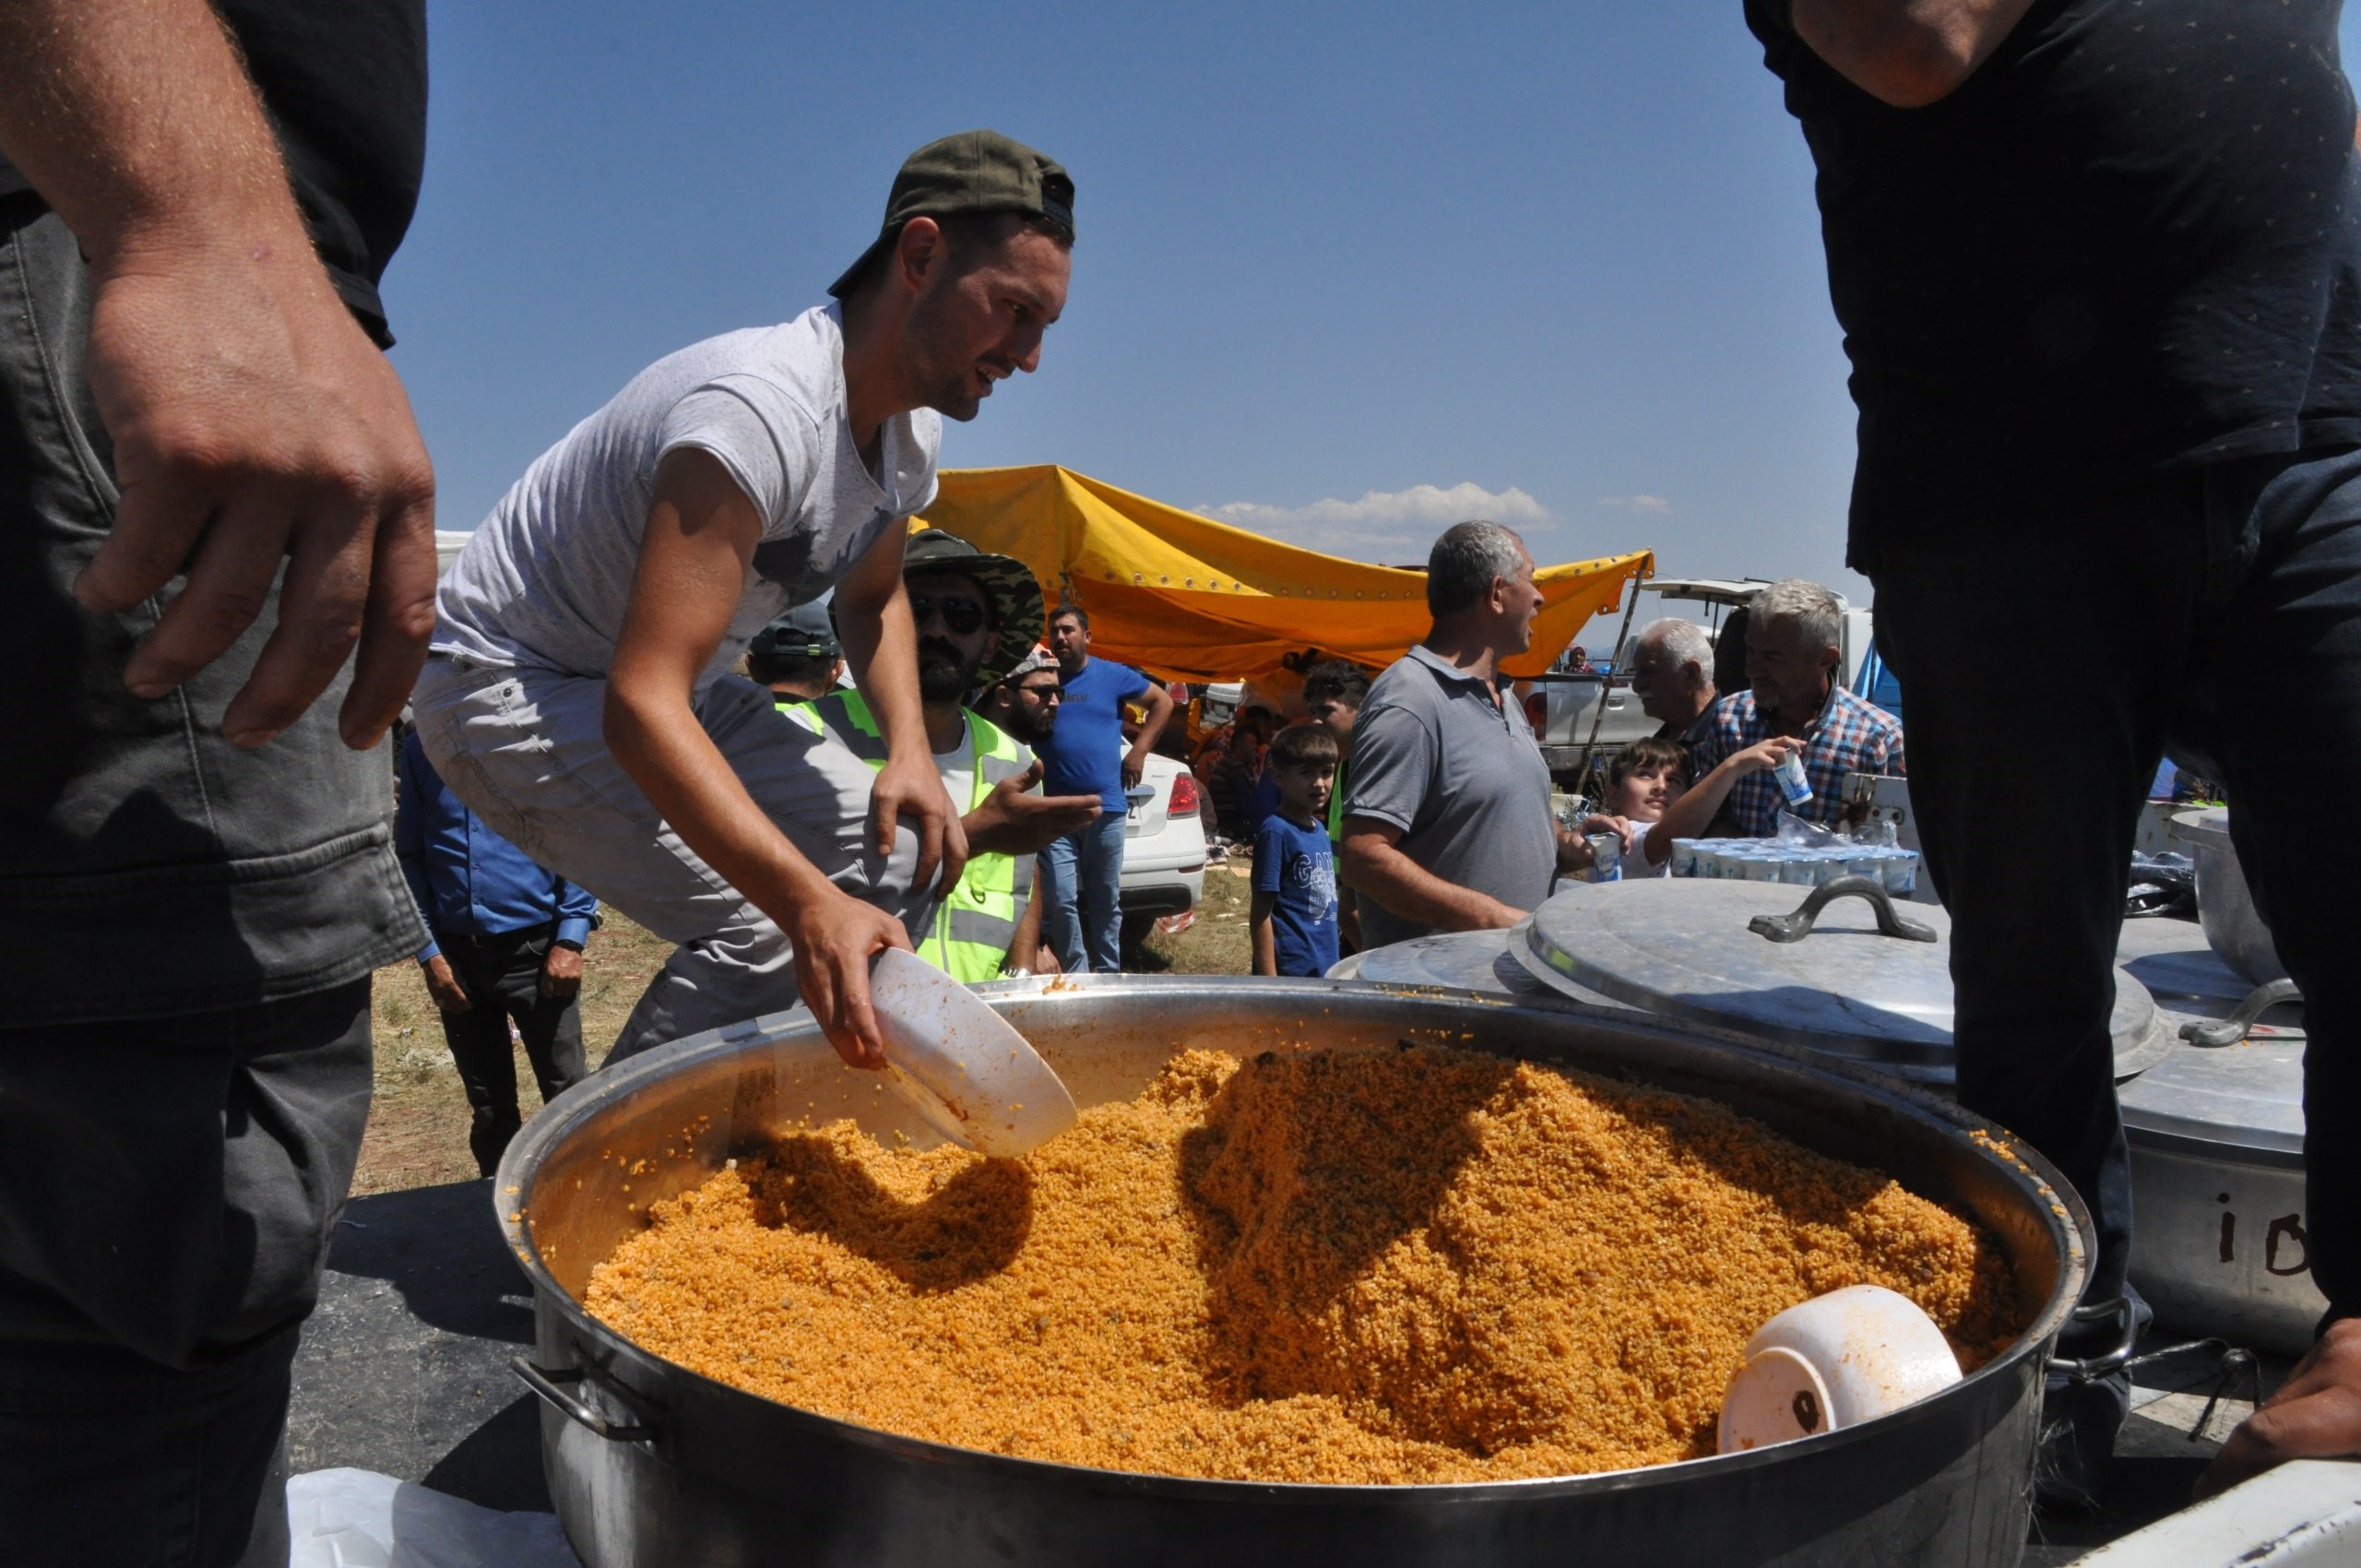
[1794,644]
[1672,674]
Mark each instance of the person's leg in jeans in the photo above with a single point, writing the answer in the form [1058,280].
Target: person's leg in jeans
[1100,877]
[2027,801]
[1061,918]
[164,1223]
[2279,671]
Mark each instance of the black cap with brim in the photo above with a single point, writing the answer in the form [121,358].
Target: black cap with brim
[973,172]
[1009,584]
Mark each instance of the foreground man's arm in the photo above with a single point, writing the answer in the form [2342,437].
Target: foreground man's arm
[1375,865]
[253,420]
[692,562]
[882,647]
[1905,52]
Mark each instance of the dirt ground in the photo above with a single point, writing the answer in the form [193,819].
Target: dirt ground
[418,1124]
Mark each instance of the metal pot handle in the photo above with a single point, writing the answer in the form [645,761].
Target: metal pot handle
[545,1384]
[1795,927]
[2232,1030]
[2090,1369]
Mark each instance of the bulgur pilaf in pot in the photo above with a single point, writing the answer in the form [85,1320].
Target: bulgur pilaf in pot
[1423,1265]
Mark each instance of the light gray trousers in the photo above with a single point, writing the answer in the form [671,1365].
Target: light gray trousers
[525,750]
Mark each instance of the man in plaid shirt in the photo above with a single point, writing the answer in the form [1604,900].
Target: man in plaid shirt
[1794,644]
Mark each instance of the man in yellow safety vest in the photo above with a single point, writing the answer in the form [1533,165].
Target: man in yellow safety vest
[976,615]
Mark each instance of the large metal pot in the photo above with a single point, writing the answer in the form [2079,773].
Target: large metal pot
[2225,906]
[2219,1243]
[649,1463]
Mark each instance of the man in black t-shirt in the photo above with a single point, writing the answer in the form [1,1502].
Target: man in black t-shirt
[212,495]
[2098,267]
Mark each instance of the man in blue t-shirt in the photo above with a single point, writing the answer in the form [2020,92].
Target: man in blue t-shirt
[1082,874]
[1293,919]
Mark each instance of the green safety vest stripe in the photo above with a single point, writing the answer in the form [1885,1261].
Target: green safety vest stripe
[995,932]
[977,919]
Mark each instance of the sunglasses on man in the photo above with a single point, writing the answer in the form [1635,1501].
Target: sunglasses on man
[965,617]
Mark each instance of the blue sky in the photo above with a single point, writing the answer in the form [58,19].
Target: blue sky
[1558,263]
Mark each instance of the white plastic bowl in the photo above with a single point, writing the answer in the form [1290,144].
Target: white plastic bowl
[1837,1361]
[975,1079]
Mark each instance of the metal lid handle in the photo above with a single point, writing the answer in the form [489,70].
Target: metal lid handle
[1795,927]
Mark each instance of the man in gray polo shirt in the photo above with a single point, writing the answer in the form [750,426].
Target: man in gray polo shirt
[1447,822]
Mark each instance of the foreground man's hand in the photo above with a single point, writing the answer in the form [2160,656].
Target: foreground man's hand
[835,937]
[1012,822]
[915,789]
[254,425]
[2315,1415]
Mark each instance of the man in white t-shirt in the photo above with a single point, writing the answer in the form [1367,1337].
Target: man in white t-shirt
[576,695]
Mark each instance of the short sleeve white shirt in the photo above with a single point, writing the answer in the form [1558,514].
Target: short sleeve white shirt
[544,582]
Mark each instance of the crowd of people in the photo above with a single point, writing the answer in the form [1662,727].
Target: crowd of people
[2110,351]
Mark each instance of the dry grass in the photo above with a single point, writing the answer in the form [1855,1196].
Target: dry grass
[417,1124]
[1217,942]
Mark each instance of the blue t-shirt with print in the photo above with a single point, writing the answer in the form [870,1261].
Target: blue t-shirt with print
[1083,755]
[1292,862]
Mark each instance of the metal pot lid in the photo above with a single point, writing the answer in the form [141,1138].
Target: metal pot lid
[1467,960]
[2207,825]
[2247,1098]
[1685,948]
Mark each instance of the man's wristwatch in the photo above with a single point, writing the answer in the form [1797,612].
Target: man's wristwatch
[567,942]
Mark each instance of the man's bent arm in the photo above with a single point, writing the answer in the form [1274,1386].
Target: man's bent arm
[699,542]
[254,423]
[1159,713]
[882,645]
[1905,52]
[1375,865]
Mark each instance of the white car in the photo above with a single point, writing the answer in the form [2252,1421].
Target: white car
[1163,849]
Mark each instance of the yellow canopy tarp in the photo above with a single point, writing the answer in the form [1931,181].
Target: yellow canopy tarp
[1186,598]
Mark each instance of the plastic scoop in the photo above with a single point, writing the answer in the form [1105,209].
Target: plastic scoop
[972,1077]
[1837,1361]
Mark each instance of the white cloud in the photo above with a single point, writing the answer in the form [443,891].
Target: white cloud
[1637,503]
[1383,525]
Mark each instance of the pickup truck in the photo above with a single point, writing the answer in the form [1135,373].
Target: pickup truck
[1562,708]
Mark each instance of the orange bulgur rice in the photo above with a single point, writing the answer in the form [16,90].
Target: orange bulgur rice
[1418,1265]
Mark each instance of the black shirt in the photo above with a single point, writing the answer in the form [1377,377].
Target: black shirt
[2129,243]
[344,83]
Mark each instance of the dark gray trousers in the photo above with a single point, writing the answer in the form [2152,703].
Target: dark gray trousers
[167,1195]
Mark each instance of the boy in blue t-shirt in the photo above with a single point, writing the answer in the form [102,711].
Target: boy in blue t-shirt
[1294,913]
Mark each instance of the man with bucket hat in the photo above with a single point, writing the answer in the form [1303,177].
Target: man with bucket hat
[576,695]
[976,615]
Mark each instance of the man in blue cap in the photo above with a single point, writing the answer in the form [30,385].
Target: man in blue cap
[797,656]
